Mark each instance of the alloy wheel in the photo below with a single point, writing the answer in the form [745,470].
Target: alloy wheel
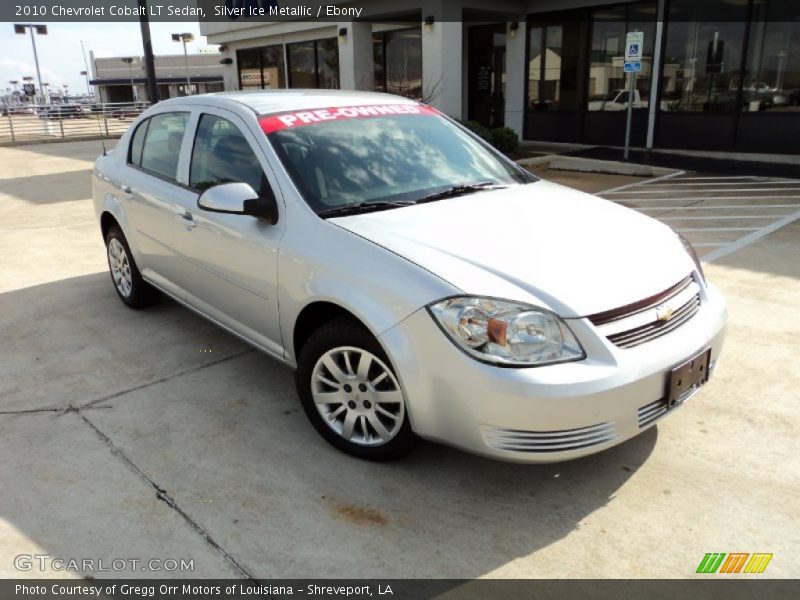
[120,267]
[358,396]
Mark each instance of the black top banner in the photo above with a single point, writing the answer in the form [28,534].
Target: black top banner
[430,11]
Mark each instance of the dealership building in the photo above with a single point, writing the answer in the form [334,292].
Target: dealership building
[716,75]
[124,79]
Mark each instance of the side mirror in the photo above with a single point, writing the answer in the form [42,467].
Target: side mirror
[239,199]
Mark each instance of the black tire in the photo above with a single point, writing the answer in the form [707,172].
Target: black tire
[345,332]
[141,294]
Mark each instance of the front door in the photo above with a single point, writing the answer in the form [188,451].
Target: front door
[487,74]
[230,262]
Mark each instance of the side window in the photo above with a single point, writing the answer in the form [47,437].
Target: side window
[221,154]
[162,144]
[137,143]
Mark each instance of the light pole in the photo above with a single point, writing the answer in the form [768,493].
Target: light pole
[20,28]
[185,37]
[88,89]
[130,60]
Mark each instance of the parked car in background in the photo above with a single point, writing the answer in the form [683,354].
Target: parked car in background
[419,282]
[769,97]
[62,111]
[616,100]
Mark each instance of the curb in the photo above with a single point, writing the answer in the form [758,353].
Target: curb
[559,162]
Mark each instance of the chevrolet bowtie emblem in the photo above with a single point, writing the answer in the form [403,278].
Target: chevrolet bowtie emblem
[664,313]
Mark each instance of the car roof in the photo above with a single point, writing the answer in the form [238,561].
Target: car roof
[275,101]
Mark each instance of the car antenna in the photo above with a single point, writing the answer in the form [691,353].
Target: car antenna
[100,127]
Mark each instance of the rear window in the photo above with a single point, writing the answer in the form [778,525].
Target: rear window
[137,143]
[162,144]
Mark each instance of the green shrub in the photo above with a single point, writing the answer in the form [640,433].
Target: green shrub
[479,130]
[505,139]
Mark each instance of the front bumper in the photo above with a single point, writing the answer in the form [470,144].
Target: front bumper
[544,414]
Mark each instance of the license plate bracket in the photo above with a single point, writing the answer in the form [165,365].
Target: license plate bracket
[691,374]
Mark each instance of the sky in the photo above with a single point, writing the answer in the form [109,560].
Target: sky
[60,59]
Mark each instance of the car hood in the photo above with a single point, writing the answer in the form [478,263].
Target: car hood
[543,243]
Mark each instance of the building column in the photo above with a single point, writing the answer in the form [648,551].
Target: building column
[516,78]
[230,73]
[655,75]
[442,58]
[355,57]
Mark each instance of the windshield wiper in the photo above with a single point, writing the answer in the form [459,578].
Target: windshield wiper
[361,208]
[460,190]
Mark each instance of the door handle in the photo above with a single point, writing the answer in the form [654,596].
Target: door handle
[126,189]
[188,219]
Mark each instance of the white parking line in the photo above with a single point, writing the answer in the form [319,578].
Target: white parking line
[688,194]
[703,198]
[690,191]
[714,229]
[725,217]
[726,177]
[750,238]
[639,183]
[721,183]
[721,207]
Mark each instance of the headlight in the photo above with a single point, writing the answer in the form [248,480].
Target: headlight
[506,333]
[687,245]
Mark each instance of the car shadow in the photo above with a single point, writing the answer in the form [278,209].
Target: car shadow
[216,429]
[39,189]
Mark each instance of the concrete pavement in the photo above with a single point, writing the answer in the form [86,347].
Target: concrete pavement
[155,434]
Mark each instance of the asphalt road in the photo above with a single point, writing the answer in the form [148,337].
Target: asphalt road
[155,435]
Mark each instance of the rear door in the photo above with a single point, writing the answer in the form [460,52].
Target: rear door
[150,189]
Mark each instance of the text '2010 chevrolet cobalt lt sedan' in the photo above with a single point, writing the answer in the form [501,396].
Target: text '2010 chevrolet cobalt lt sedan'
[422,284]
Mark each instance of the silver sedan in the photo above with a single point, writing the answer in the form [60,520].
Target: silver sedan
[421,284]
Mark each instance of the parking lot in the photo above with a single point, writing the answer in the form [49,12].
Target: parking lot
[156,435]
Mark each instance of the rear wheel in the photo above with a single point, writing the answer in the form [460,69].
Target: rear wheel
[351,395]
[131,288]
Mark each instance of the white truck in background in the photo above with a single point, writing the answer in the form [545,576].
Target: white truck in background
[616,100]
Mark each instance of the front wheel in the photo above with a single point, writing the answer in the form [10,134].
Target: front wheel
[351,395]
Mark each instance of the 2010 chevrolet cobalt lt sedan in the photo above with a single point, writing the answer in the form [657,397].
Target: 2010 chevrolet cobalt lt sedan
[421,284]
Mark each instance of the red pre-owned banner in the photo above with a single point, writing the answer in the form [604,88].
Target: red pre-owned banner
[301,118]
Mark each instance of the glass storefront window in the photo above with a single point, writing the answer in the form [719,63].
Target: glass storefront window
[398,62]
[328,64]
[249,62]
[554,60]
[703,57]
[608,84]
[302,65]
[261,68]
[314,64]
[273,72]
[772,75]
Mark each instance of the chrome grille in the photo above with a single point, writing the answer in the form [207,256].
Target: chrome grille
[655,410]
[562,440]
[651,318]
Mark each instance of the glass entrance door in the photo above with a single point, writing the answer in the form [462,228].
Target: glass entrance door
[487,74]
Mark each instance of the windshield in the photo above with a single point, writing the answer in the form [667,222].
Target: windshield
[340,161]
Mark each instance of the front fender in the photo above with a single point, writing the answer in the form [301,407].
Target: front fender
[321,262]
